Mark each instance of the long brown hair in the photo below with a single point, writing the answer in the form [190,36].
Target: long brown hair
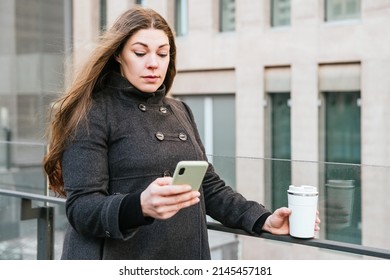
[71,108]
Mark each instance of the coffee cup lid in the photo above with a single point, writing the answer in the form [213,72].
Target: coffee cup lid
[303,190]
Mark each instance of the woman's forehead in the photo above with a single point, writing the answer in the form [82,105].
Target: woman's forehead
[149,37]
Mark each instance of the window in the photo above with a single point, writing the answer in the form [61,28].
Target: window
[103,15]
[227,15]
[140,2]
[217,131]
[277,81]
[215,119]
[181,17]
[342,145]
[341,136]
[336,10]
[280,13]
[38,26]
[281,147]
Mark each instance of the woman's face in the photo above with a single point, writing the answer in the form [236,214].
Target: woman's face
[144,59]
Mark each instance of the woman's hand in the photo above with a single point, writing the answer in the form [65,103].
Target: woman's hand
[162,200]
[278,223]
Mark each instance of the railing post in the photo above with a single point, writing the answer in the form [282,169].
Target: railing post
[46,234]
[45,227]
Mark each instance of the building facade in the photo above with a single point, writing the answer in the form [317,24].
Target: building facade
[291,80]
[299,81]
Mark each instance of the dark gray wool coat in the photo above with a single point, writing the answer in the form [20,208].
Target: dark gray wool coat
[132,138]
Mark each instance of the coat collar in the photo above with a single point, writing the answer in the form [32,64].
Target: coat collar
[127,91]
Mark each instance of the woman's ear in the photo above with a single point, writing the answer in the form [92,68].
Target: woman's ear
[117,57]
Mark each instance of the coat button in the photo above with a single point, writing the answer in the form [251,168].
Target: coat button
[108,234]
[142,107]
[160,136]
[182,136]
[163,110]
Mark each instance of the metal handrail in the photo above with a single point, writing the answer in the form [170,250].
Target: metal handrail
[32,196]
[319,243]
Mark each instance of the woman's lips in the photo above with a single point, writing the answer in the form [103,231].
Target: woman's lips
[151,78]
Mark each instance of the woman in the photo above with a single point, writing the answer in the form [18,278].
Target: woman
[114,142]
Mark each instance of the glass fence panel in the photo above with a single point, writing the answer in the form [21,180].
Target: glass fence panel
[352,198]
[10,224]
[19,239]
[352,201]
[21,170]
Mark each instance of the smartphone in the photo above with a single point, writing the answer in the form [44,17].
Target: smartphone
[190,173]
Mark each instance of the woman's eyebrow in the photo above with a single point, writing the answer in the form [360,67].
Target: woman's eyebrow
[146,46]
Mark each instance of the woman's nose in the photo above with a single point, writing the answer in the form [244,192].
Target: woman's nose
[152,62]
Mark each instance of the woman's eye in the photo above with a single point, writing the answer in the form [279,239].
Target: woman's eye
[163,54]
[139,54]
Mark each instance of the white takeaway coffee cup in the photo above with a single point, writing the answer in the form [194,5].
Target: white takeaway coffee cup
[302,200]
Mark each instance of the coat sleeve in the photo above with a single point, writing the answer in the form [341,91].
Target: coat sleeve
[90,209]
[222,202]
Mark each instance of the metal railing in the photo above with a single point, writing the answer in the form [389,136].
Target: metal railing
[45,230]
[45,219]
